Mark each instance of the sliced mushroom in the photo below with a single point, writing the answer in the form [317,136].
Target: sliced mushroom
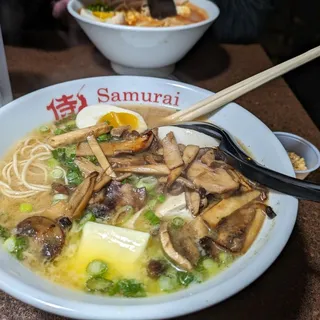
[126,161]
[113,148]
[193,202]
[153,169]
[123,176]
[103,161]
[186,240]
[155,268]
[253,230]
[237,176]
[208,158]
[210,247]
[186,183]
[231,230]
[153,158]
[78,135]
[130,135]
[216,181]
[174,175]
[176,189]
[80,198]
[86,166]
[97,197]
[227,206]
[118,132]
[131,196]
[181,147]
[45,232]
[101,182]
[60,188]
[171,152]
[189,154]
[170,251]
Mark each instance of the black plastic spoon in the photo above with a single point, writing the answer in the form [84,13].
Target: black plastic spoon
[251,169]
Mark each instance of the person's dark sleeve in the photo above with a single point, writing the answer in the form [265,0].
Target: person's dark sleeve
[241,21]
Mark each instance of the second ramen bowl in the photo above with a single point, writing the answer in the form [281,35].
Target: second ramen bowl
[145,51]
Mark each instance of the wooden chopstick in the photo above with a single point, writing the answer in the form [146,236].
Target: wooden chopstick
[229,94]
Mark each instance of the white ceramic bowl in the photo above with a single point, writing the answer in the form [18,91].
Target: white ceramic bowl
[143,50]
[29,112]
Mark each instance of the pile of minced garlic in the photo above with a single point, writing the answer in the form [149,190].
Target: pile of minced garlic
[298,162]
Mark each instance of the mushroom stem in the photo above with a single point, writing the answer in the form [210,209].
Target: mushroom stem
[153,169]
[102,159]
[81,196]
[78,135]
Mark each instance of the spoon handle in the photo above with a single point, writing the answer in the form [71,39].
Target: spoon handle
[277,181]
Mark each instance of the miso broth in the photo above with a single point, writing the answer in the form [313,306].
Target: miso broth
[114,211]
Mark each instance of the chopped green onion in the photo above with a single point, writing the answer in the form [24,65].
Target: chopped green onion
[97,268]
[26,207]
[71,151]
[152,218]
[198,277]
[57,173]
[93,159]
[59,131]
[133,179]
[104,137]
[168,283]
[52,163]
[74,176]
[152,204]
[210,265]
[185,278]
[100,7]
[152,194]
[161,198]
[66,157]
[147,182]
[10,244]
[59,197]
[66,119]
[225,258]
[16,245]
[130,288]
[44,129]
[177,222]
[99,284]
[89,216]
[4,233]
[71,124]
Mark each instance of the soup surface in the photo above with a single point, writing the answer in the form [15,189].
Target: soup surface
[116,210]
[136,13]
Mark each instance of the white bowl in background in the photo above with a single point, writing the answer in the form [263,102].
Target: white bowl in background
[24,114]
[145,51]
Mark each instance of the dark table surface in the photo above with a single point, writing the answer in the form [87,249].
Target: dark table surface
[290,289]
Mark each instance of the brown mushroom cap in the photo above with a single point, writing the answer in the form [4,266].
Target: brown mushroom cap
[45,232]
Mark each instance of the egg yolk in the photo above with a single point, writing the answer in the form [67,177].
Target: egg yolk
[116,119]
[103,15]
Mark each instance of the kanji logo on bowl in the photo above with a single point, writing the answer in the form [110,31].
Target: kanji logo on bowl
[67,104]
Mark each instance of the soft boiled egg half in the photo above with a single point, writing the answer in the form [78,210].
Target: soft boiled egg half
[108,17]
[115,116]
